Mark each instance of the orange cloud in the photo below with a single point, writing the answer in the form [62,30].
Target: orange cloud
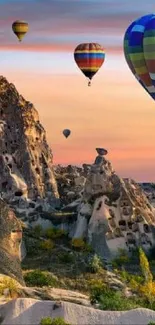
[50,48]
[115,112]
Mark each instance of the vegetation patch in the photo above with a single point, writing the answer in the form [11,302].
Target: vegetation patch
[80,244]
[47,245]
[54,233]
[54,321]
[10,285]
[39,279]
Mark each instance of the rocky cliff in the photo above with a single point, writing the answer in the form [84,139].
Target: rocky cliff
[26,171]
[10,241]
[95,203]
[114,213]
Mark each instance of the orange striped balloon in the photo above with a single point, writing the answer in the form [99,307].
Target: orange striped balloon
[89,57]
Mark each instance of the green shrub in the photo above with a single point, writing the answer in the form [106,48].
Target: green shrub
[128,277]
[113,300]
[80,244]
[46,321]
[53,233]
[54,321]
[151,323]
[11,284]
[121,259]
[38,231]
[96,289]
[67,257]
[88,248]
[144,265]
[40,279]
[33,250]
[95,264]
[47,245]
[109,299]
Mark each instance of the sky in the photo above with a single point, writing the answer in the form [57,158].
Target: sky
[115,112]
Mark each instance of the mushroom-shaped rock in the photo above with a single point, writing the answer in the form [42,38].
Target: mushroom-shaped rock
[101,151]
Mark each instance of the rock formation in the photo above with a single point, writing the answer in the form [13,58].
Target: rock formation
[114,213]
[106,210]
[26,172]
[70,181]
[26,311]
[149,189]
[10,240]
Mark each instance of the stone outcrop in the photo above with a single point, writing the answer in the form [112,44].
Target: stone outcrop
[26,170]
[26,311]
[149,189]
[114,213]
[10,241]
[70,181]
[56,294]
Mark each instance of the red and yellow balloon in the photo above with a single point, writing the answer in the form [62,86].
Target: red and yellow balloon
[89,57]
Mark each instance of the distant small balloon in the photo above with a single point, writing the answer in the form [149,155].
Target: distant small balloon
[101,151]
[66,133]
[20,28]
[89,57]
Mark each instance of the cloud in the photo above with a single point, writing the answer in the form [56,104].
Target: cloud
[61,24]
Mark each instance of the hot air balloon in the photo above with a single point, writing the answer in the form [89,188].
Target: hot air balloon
[66,133]
[20,28]
[89,57]
[139,51]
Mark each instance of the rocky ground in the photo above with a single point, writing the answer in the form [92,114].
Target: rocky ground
[31,311]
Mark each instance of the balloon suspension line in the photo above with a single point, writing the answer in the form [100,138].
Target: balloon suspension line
[89,83]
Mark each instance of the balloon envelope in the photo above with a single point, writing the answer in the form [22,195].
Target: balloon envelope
[101,151]
[89,57]
[20,28]
[66,133]
[139,51]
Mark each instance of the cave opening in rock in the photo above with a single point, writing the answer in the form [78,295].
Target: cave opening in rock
[146,228]
[122,223]
[37,170]
[18,193]
[99,206]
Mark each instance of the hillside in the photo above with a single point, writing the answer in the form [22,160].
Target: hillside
[70,235]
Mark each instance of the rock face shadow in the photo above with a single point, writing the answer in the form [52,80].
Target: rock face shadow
[10,241]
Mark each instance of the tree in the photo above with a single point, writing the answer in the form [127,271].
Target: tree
[144,264]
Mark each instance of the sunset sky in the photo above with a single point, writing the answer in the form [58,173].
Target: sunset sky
[115,112]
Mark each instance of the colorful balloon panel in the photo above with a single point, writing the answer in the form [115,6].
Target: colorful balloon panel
[20,28]
[149,48]
[89,57]
[139,55]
